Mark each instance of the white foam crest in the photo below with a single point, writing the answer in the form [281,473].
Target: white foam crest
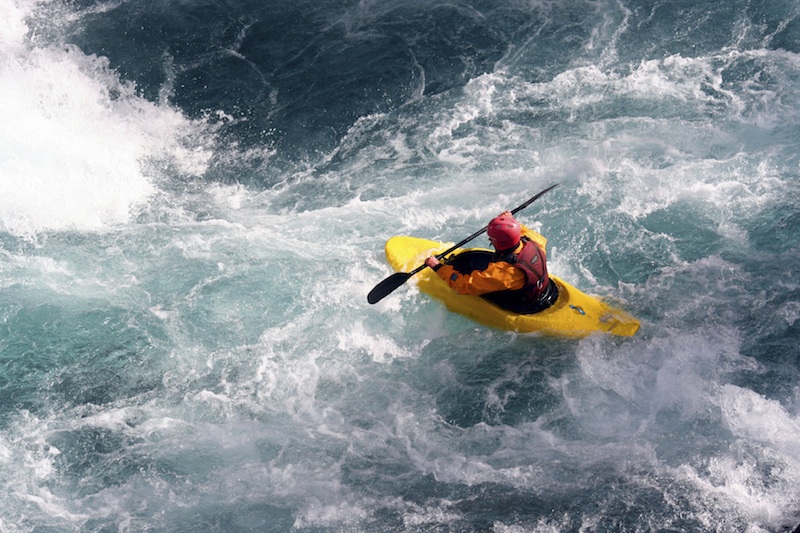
[28,463]
[557,524]
[526,456]
[655,174]
[54,506]
[380,348]
[12,29]
[769,98]
[673,86]
[758,419]
[318,514]
[674,79]
[78,145]
[490,117]
[732,485]
[417,517]
[790,312]
[622,395]
[675,373]
[477,103]
[287,381]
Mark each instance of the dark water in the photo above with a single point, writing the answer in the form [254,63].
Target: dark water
[194,198]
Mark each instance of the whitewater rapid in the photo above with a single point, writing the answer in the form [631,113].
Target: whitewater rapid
[194,200]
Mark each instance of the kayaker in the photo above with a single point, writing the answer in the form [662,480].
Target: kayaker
[516,278]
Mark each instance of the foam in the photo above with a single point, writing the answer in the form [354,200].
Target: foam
[748,414]
[78,146]
[318,514]
[296,393]
[12,29]
[380,348]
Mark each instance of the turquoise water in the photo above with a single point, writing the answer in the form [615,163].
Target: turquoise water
[194,198]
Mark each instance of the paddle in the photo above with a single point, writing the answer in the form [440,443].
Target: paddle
[385,287]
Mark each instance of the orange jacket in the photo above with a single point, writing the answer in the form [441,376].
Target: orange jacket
[498,276]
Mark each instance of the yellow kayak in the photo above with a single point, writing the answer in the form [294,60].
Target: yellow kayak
[574,313]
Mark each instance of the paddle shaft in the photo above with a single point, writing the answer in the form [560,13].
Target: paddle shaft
[385,287]
[480,231]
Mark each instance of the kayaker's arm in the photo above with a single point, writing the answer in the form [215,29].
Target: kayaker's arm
[497,276]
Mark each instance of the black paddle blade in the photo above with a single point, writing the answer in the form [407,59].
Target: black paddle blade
[386,286]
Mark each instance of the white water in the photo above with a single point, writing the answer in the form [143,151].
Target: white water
[179,353]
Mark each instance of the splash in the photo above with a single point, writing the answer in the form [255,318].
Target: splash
[79,148]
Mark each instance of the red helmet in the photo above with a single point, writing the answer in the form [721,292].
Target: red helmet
[504,232]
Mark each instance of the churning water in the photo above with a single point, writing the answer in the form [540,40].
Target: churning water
[194,197]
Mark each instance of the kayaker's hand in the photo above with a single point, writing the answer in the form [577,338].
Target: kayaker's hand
[433,262]
[506,214]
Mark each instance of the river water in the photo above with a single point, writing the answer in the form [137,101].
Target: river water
[194,197]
